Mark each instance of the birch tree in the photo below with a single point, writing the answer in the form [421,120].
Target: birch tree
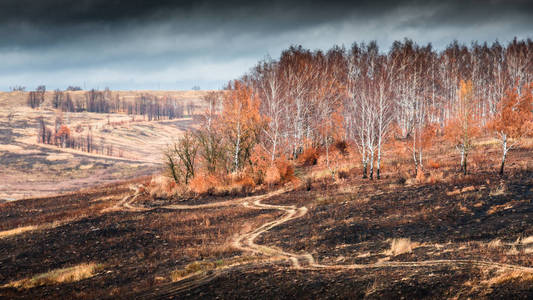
[514,120]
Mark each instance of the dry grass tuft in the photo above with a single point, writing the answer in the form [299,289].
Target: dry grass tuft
[161,187]
[435,177]
[17,231]
[205,266]
[505,206]
[514,275]
[499,191]
[496,243]
[420,176]
[24,229]
[527,240]
[193,268]
[400,246]
[461,191]
[65,275]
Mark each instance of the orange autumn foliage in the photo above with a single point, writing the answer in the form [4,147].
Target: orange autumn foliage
[272,176]
[203,183]
[309,156]
[514,119]
[433,164]
[515,116]
[281,172]
[63,131]
[462,129]
[240,122]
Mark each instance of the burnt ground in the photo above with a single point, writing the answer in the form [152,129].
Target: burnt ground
[139,250]
[449,220]
[348,222]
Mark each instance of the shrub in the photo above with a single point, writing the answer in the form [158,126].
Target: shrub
[420,176]
[342,146]
[401,180]
[401,246]
[260,164]
[285,169]
[244,185]
[343,174]
[203,184]
[272,176]
[308,183]
[161,187]
[434,164]
[435,176]
[309,157]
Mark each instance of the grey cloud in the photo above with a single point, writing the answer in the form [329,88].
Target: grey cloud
[178,44]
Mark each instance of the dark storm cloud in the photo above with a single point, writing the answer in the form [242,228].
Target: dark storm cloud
[176,44]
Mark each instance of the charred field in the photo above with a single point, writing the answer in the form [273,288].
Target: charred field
[469,237]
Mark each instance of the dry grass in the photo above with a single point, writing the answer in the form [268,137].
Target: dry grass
[435,176]
[515,275]
[24,229]
[58,276]
[17,231]
[401,246]
[161,187]
[497,208]
[526,241]
[205,266]
[496,243]
[461,191]
[499,191]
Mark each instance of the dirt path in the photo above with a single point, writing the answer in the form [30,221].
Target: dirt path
[246,243]
[126,204]
[306,260]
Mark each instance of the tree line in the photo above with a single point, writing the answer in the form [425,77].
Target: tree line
[61,136]
[148,106]
[366,97]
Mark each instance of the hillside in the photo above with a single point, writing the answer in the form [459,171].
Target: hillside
[459,238]
[30,169]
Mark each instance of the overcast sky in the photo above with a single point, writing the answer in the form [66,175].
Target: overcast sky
[179,44]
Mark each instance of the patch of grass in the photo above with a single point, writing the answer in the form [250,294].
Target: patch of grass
[527,240]
[24,229]
[401,246]
[58,276]
[514,275]
[206,266]
[17,231]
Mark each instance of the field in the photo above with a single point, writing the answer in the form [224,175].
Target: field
[108,225]
[30,169]
[460,237]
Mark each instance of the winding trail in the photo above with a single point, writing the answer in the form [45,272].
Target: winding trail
[246,243]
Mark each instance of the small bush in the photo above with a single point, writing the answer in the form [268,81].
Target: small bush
[244,185]
[203,184]
[401,246]
[434,165]
[420,176]
[342,146]
[343,174]
[435,176]
[260,164]
[309,157]
[401,180]
[161,187]
[285,169]
[272,176]
[308,183]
